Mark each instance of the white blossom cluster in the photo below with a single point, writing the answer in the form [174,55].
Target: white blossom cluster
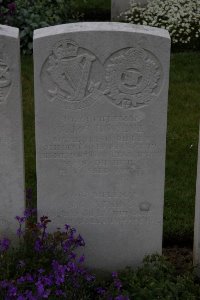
[180,17]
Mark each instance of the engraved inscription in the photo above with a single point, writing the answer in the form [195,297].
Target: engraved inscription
[108,155]
[100,167]
[103,123]
[133,77]
[69,75]
[5,78]
[124,218]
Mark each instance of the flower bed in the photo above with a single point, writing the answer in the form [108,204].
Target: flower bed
[46,266]
[180,17]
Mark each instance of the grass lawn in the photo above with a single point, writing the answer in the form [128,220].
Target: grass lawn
[182,140]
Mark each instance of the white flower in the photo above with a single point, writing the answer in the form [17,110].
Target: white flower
[180,17]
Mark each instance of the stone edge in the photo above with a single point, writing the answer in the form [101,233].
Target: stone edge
[99,26]
[196,254]
[9,31]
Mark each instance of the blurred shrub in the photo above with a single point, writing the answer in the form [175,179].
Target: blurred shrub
[7,11]
[180,17]
[29,15]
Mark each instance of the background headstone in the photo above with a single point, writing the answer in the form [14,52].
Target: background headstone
[196,250]
[11,134]
[101,92]
[119,6]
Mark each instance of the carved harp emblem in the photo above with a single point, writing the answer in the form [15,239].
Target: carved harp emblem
[70,72]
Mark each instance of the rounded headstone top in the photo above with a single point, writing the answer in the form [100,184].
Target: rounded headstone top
[100,26]
[9,31]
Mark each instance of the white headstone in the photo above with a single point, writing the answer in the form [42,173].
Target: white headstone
[101,93]
[196,250]
[12,200]
[120,6]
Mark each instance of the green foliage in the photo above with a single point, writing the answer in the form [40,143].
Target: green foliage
[157,279]
[29,15]
[34,14]
[7,11]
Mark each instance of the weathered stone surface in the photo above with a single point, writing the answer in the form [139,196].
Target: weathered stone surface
[101,93]
[119,6]
[11,136]
[196,250]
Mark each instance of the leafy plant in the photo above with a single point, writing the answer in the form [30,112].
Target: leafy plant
[157,279]
[31,15]
[7,11]
[46,265]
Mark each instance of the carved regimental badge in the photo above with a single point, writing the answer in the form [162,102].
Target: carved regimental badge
[71,74]
[5,79]
[130,77]
[133,77]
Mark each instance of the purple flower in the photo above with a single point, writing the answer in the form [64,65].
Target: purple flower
[38,245]
[4,284]
[12,6]
[12,291]
[4,244]
[19,232]
[114,275]
[67,227]
[29,212]
[80,241]
[29,278]
[29,295]
[66,245]
[46,294]
[47,280]
[121,297]
[21,297]
[21,280]
[55,264]
[71,267]
[72,256]
[21,220]
[59,272]
[41,271]
[118,284]
[40,288]
[40,226]
[90,277]
[81,259]
[101,291]
[72,232]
